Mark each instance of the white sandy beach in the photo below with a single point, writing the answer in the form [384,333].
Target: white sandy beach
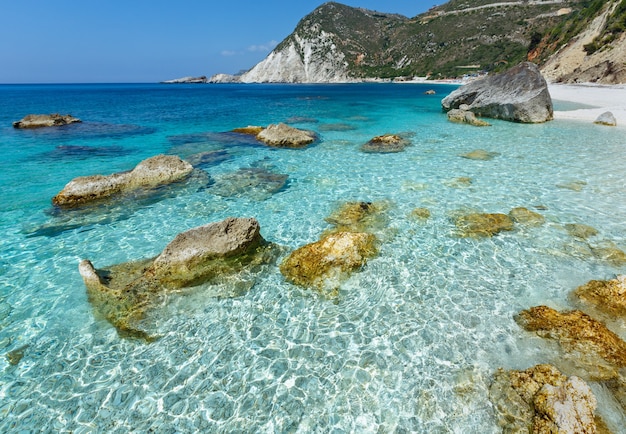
[601,98]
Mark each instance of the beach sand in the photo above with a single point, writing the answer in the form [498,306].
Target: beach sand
[599,98]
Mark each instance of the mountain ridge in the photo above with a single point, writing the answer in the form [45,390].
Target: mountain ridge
[571,40]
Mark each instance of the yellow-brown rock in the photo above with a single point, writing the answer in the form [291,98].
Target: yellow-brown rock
[483,225]
[542,400]
[526,217]
[283,136]
[387,143]
[323,265]
[608,296]
[597,351]
[252,130]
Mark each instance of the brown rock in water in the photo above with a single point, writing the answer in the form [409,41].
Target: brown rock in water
[420,213]
[387,143]
[483,225]
[252,130]
[480,154]
[466,117]
[150,173]
[526,217]
[599,352]
[324,264]
[283,136]
[358,217]
[40,121]
[542,400]
[124,293]
[608,296]
[607,251]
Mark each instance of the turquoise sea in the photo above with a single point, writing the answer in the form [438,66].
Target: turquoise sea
[411,341]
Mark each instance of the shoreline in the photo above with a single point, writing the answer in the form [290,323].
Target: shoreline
[599,98]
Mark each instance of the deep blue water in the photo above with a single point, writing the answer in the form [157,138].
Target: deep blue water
[412,340]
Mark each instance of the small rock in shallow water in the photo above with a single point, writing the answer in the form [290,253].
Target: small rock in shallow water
[387,143]
[480,154]
[420,213]
[606,118]
[573,185]
[578,230]
[283,136]
[15,357]
[526,217]
[483,224]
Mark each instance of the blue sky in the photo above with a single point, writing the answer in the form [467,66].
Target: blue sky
[81,41]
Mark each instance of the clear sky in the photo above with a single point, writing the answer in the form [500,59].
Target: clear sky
[90,41]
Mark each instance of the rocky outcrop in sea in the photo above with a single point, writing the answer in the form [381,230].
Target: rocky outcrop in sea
[40,121]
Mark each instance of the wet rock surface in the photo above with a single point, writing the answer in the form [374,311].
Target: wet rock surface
[256,183]
[466,117]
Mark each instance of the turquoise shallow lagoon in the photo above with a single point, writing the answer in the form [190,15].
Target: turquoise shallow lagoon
[412,340]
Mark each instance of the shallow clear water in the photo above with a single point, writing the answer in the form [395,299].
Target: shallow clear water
[412,340]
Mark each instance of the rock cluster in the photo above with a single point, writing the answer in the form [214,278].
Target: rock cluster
[488,224]
[124,293]
[40,121]
[150,173]
[519,95]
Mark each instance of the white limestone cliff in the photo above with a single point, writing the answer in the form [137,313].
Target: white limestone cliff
[302,59]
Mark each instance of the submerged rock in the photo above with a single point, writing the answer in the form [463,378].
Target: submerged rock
[526,217]
[420,213]
[542,400]
[595,350]
[466,117]
[578,230]
[124,293]
[323,265]
[608,251]
[150,173]
[256,183]
[283,136]
[40,121]
[519,94]
[459,182]
[573,185]
[480,154]
[483,224]
[358,217]
[608,296]
[606,118]
[386,143]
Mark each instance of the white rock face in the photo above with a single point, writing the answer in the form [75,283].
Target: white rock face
[303,60]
